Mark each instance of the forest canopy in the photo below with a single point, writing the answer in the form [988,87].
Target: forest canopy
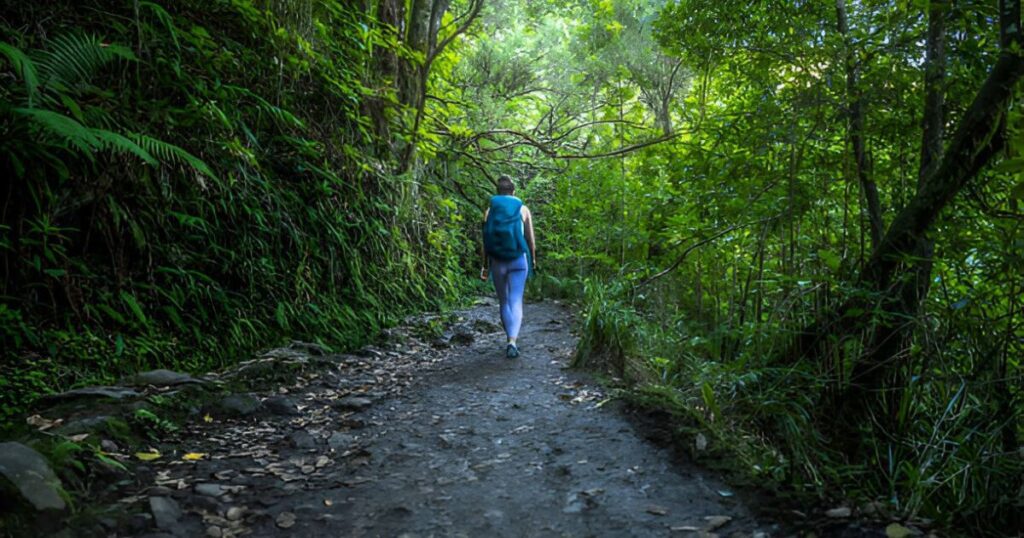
[797,224]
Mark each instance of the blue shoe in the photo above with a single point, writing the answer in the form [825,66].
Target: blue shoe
[511,351]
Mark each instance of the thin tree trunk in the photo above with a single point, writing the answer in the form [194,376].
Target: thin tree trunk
[855,130]
[892,336]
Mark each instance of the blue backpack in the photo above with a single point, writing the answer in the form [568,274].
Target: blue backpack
[503,229]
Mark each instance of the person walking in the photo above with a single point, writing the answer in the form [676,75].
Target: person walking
[509,256]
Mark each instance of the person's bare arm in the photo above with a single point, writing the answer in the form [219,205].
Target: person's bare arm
[528,228]
[483,251]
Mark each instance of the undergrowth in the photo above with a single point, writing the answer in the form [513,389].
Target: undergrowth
[194,181]
[762,421]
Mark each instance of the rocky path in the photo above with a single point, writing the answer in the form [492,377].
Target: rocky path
[474,445]
[433,432]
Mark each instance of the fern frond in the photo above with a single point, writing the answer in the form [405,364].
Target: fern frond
[117,143]
[25,68]
[74,59]
[168,152]
[281,116]
[63,128]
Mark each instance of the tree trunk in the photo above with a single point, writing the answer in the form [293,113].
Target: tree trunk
[891,337]
[977,139]
[855,130]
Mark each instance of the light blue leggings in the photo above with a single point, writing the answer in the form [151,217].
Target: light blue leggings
[509,281]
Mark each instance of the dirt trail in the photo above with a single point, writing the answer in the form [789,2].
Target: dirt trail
[474,445]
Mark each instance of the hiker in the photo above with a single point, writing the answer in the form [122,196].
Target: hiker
[509,255]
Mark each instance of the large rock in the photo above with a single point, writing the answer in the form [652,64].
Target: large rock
[308,348]
[352,403]
[162,378]
[240,405]
[166,512]
[114,393]
[281,405]
[32,476]
[462,334]
[89,424]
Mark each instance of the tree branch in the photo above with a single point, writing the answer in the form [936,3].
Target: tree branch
[695,246]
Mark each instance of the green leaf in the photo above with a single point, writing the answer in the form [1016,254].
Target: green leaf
[1018,191]
[133,305]
[25,68]
[708,395]
[832,261]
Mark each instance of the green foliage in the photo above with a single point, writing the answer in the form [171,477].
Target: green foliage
[201,181]
[704,256]
[204,179]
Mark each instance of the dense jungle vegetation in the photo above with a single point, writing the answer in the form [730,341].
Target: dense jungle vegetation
[796,224]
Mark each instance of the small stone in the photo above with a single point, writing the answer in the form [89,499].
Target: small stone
[715,522]
[840,512]
[31,476]
[285,520]
[214,532]
[210,490]
[573,505]
[701,442]
[166,512]
[895,530]
[657,510]
[109,446]
[353,403]
[226,474]
[281,405]
[235,513]
[340,441]
[872,508]
[202,502]
[302,440]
